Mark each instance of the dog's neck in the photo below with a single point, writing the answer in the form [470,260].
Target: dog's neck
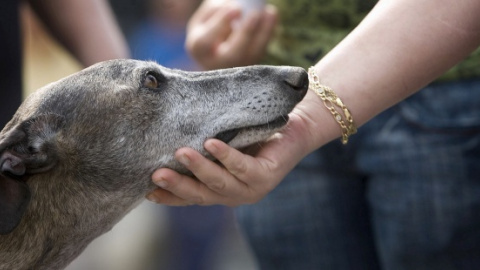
[53,232]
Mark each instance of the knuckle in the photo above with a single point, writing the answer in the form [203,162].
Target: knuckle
[190,45]
[202,44]
[218,186]
[196,201]
[198,45]
[238,169]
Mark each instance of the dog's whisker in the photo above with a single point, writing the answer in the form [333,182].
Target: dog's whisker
[268,120]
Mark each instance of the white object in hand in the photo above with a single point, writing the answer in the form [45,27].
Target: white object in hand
[250,5]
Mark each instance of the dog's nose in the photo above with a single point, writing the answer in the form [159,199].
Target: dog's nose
[297,79]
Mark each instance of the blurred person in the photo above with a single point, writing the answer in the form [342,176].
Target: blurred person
[86,28]
[405,190]
[195,231]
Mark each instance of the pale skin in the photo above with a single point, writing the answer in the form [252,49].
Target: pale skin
[86,28]
[399,47]
[217,45]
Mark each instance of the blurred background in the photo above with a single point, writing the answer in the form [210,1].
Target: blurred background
[151,236]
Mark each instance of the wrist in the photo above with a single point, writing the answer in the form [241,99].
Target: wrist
[316,126]
[334,104]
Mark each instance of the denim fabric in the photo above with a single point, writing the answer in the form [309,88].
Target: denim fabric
[403,194]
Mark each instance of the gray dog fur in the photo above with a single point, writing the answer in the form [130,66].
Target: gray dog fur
[79,153]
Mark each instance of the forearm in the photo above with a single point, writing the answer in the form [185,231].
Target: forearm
[87,28]
[400,47]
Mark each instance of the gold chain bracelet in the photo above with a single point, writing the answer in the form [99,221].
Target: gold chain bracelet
[330,99]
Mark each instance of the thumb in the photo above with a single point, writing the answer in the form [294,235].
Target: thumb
[287,147]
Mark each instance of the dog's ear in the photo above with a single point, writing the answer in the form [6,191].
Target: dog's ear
[26,149]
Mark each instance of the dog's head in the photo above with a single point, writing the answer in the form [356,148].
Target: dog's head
[119,120]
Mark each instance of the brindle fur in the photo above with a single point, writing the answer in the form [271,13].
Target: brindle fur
[79,153]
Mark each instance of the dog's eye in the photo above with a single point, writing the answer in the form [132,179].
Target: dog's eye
[150,81]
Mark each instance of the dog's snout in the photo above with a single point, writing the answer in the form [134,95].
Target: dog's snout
[297,79]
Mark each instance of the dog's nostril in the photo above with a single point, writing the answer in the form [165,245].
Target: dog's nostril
[297,80]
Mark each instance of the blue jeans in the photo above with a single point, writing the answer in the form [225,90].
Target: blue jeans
[404,193]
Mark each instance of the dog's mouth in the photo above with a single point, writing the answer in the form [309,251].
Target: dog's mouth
[228,135]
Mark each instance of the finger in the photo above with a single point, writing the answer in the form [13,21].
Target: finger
[212,175]
[184,187]
[264,32]
[203,39]
[220,24]
[240,42]
[251,37]
[208,8]
[247,172]
[204,11]
[234,161]
[278,152]
[162,196]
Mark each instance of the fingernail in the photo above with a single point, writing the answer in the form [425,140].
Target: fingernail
[161,183]
[152,198]
[211,147]
[184,159]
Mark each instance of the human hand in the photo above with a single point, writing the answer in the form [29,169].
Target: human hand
[241,178]
[214,43]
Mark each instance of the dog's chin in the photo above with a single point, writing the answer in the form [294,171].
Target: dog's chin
[246,139]
[246,136]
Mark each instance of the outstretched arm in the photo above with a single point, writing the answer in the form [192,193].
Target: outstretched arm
[398,48]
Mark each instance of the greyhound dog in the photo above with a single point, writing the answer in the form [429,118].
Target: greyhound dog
[79,153]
